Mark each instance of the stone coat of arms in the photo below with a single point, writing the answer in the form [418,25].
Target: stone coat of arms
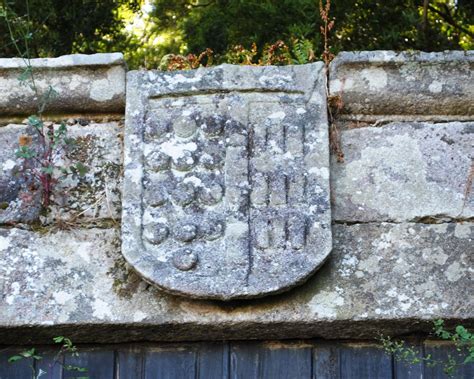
[226,189]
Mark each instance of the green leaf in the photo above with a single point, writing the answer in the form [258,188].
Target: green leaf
[463,333]
[68,141]
[29,353]
[48,170]
[75,368]
[35,122]
[81,169]
[15,358]
[58,339]
[25,152]
[469,359]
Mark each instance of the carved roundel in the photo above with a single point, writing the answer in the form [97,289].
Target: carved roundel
[226,191]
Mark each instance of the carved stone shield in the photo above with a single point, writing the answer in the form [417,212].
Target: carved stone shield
[226,189]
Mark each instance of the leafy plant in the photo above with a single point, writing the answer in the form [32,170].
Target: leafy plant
[303,51]
[173,62]
[276,54]
[40,152]
[325,28]
[66,347]
[238,54]
[463,342]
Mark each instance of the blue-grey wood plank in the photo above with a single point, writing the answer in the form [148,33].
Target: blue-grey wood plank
[440,353]
[365,362]
[283,361]
[17,370]
[100,364]
[270,361]
[244,360]
[171,363]
[408,370]
[213,361]
[130,364]
[326,363]
[50,363]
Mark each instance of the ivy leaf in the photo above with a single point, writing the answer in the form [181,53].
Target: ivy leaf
[463,333]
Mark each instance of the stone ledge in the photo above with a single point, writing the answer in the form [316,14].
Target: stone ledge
[389,278]
[83,83]
[387,83]
[66,61]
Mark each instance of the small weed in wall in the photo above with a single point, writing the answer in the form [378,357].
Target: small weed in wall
[66,347]
[462,339]
[41,155]
[41,150]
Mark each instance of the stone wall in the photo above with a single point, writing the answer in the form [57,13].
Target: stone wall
[402,208]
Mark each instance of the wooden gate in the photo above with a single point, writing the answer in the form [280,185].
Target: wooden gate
[243,360]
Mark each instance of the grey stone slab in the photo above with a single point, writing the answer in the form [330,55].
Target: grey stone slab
[82,83]
[405,172]
[96,195]
[393,279]
[65,61]
[226,188]
[406,83]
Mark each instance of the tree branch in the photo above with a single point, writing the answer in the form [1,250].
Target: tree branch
[449,19]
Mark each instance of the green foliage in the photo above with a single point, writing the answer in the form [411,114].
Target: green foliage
[303,51]
[359,25]
[61,27]
[38,152]
[66,347]
[463,341]
[31,353]
[145,33]
[462,338]
[300,51]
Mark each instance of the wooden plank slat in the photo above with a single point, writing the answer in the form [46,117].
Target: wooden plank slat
[130,364]
[244,360]
[365,362]
[440,352]
[100,364]
[18,370]
[285,361]
[405,370]
[47,364]
[171,363]
[270,361]
[213,361]
[326,364]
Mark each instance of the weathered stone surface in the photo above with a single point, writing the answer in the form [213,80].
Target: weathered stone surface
[96,195]
[19,201]
[226,188]
[381,278]
[375,83]
[405,172]
[83,83]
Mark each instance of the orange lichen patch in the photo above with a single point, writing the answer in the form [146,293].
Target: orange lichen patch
[24,140]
